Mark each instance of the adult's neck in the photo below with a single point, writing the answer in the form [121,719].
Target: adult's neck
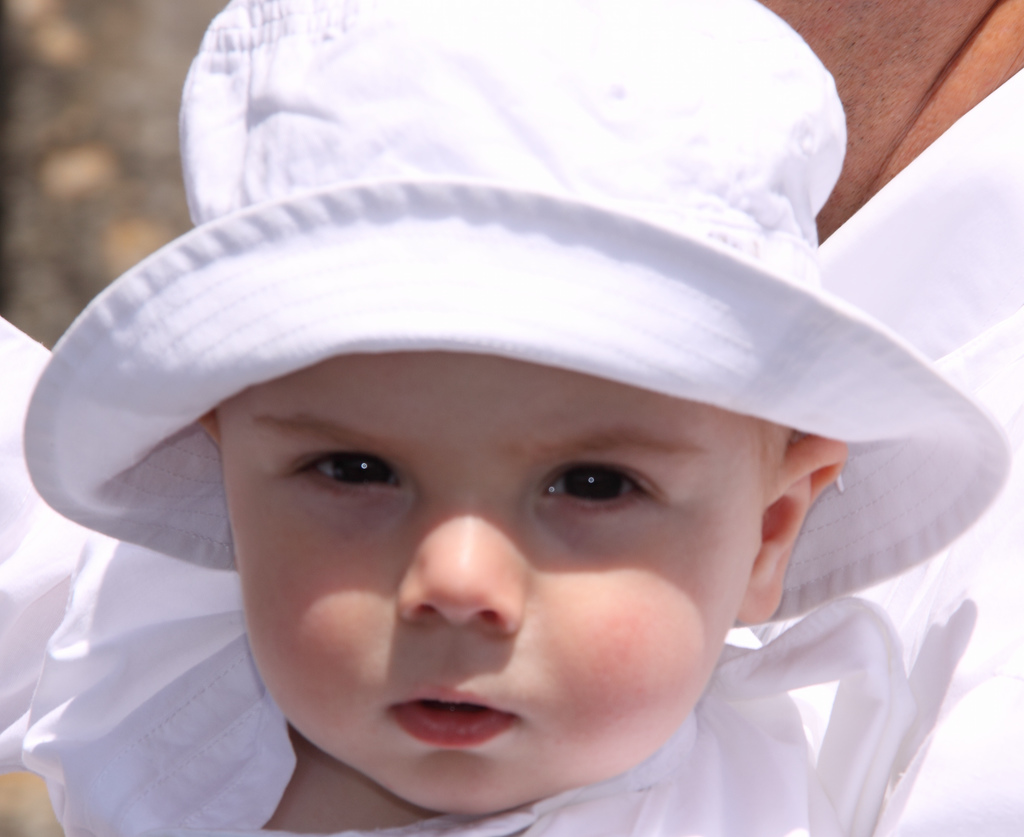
[905,71]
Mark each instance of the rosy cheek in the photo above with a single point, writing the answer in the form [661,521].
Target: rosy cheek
[320,661]
[332,629]
[637,658]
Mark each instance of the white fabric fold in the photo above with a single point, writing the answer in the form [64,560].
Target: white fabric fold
[852,643]
[938,254]
[149,709]
[38,550]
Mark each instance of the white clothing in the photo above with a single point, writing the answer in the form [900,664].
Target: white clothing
[38,551]
[149,716]
[938,255]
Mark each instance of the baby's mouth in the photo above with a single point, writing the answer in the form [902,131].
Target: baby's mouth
[451,725]
[445,706]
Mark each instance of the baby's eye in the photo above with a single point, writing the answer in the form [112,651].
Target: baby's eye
[592,482]
[356,468]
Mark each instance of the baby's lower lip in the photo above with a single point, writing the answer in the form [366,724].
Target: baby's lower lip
[451,725]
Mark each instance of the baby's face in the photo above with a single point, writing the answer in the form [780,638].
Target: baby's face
[480,582]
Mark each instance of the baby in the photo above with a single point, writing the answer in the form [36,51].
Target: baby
[497,370]
[479,582]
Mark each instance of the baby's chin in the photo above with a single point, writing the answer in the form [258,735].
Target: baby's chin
[456,801]
[467,784]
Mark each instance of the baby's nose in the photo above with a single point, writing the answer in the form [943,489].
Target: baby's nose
[467,572]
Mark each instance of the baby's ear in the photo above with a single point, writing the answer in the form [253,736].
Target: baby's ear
[809,465]
[210,424]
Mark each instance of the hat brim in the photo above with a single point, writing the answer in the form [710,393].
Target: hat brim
[111,437]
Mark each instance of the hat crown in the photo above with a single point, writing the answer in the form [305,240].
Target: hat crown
[640,107]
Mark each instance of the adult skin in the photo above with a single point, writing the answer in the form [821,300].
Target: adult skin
[906,70]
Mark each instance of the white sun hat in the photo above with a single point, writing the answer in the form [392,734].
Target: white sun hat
[622,189]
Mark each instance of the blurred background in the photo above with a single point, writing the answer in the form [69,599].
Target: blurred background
[89,181]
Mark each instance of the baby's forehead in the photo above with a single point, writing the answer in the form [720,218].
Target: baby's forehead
[468,398]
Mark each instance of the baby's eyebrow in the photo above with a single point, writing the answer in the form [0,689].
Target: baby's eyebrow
[307,426]
[609,439]
[569,445]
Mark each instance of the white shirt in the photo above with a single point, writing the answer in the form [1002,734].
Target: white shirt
[938,255]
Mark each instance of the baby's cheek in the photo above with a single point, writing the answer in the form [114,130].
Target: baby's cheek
[638,660]
[313,651]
